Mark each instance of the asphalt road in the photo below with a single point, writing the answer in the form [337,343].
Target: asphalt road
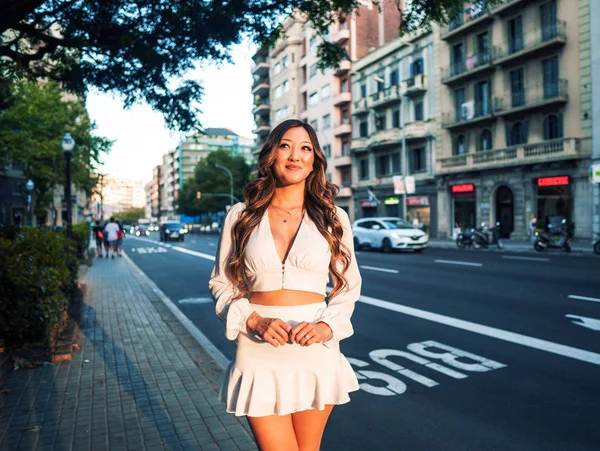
[455,349]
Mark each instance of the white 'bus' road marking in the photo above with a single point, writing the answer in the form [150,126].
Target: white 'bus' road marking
[511,337]
[375,268]
[583,298]
[531,259]
[589,323]
[453,262]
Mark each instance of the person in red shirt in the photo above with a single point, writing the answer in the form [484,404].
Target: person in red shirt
[120,236]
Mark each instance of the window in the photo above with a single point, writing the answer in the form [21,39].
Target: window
[277,68]
[363,168]
[345,148]
[278,91]
[345,85]
[312,46]
[293,82]
[346,177]
[312,71]
[515,34]
[396,163]
[293,57]
[284,61]
[313,99]
[553,126]
[516,133]
[363,90]
[416,67]
[417,160]
[482,98]
[460,145]
[550,71]
[517,87]
[394,77]
[380,84]
[380,122]
[458,59]
[459,99]
[419,110]
[327,150]
[485,140]
[345,117]
[396,118]
[326,121]
[286,86]
[482,42]
[363,129]
[388,164]
[325,92]
[315,124]
[549,20]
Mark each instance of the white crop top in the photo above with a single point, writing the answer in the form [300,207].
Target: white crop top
[306,268]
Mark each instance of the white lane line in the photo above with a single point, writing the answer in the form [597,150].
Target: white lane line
[583,298]
[194,253]
[375,268]
[531,259]
[454,262]
[195,301]
[511,337]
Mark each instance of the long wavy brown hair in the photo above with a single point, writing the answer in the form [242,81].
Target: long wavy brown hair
[319,204]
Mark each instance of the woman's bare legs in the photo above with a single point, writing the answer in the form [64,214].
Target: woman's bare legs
[300,431]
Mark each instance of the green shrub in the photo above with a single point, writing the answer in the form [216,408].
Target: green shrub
[38,277]
[81,236]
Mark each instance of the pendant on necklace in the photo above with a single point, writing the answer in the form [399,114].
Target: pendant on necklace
[285,220]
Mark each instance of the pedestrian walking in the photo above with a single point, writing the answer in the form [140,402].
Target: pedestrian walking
[120,236]
[274,260]
[110,233]
[98,232]
[532,227]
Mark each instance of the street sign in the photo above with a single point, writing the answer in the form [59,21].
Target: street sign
[398,182]
[410,184]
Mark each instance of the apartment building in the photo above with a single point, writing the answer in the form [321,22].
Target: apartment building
[148,205]
[120,194]
[516,116]
[169,184]
[261,89]
[394,116]
[590,49]
[155,195]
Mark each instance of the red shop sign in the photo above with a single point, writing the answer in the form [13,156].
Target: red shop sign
[464,188]
[417,201]
[553,181]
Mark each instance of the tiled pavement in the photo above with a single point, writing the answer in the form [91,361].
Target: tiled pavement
[140,381]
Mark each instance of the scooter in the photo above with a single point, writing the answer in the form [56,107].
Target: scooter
[596,245]
[482,239]
[546,240]
[465,239]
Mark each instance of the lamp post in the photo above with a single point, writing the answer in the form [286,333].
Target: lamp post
[29,185]
[230,183]
[68,143]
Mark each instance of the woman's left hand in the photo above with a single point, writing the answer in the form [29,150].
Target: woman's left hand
[306,334]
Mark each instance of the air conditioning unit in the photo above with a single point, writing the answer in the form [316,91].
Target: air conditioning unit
[467,111]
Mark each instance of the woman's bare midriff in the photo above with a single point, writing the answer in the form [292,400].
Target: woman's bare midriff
[285,297]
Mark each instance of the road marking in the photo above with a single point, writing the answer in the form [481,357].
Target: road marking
[583,298]
[590,323]
[194,253]
[195,301]
[531,259]
[511,337]
[454,262]
[375,268]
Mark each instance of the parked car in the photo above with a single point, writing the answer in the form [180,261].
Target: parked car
[388,234]
[172,231]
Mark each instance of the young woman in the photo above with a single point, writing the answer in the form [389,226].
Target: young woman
[274,260]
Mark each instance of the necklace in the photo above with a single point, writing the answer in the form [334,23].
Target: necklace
[285,211]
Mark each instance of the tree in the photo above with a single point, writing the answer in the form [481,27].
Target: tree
[138,48]
[31,131]
[210,180]
[131,215]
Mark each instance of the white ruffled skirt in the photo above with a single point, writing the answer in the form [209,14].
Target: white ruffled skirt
[263,380]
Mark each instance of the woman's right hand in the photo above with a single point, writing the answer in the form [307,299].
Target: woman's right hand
[273,330]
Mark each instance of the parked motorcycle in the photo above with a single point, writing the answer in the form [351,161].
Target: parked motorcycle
[559,240]
[481,237]
[465,239]
[596,245]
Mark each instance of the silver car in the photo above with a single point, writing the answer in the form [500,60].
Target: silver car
[387,234]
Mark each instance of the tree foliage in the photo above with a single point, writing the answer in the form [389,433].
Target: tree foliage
[138,48]
[31,132]
[131,215]
[209,180]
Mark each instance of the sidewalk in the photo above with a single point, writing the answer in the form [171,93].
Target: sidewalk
[584,246]
[139,382]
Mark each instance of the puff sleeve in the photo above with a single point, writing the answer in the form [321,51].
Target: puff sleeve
[341,306]
[233,313]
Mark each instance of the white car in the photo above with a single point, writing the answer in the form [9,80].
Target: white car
[387,234]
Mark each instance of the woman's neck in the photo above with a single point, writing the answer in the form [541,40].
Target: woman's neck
[291,196]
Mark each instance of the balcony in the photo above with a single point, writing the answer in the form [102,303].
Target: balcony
[359,144]
[360,107]
[262,129]
[524,154]
[261,68]
[538,41]
[507,7]
[532,98]
[345,66]
[385,137]
[415,85]
[416,130]
[345,191]
[342,98]
[342,35]
[342,160]
[384,97]
[465,22]
[470,113]
[473,65]
[342,129]
[262,109]
[261,88]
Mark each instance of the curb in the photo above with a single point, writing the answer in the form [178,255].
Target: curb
[510,248]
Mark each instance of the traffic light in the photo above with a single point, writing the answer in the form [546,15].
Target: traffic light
[198,194]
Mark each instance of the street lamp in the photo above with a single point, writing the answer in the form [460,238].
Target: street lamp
[230,182]
[29,185]
[68,143]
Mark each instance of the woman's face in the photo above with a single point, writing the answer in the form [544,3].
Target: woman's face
[294,157]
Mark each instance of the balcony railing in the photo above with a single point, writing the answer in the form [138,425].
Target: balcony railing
[260,67]
[470,66]
[342,160]
[541,152]
[360,106]
[383,97]
[359,144]
[480,111]
[415,85]
[532,97]
[261,87]
[416,130]
[345,66]
[342,98]
[477,14]
[262,108]
[343,34]
[505,7]
[342,129]
[539,39]
[382,137]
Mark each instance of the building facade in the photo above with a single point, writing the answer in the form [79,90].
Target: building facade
[516,134]
[394,116]
[120,194]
